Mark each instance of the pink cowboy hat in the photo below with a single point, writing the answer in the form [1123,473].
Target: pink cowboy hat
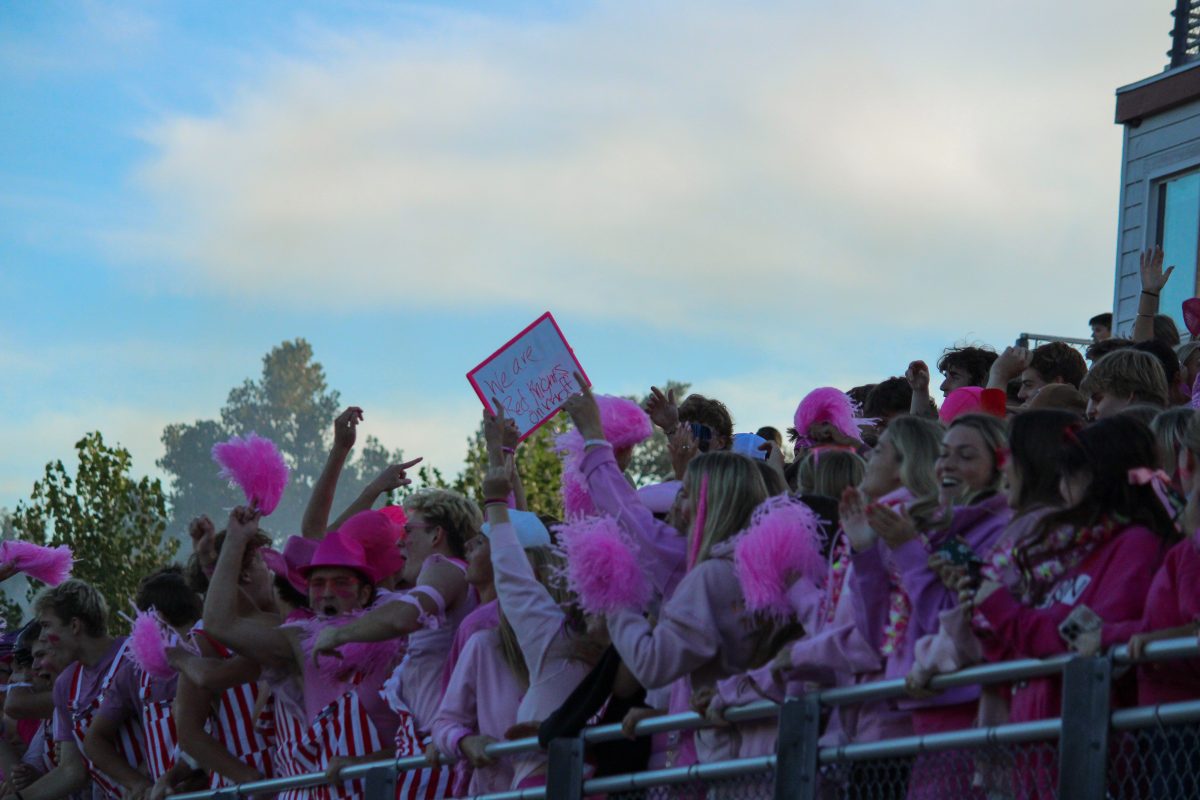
[297,552]
[338,550]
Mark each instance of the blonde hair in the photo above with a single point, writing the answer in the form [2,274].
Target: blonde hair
[75,599]
[927,512]
[459,517]
[1128,373]
[829,472]
[1171,431]
[734,489]
[917,441]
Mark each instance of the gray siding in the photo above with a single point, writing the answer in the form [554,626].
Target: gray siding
[1162,145]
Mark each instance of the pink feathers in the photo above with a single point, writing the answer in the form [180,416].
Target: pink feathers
[50,565]
[602,569]
[782,545]
[625,424]
[256,466]
[148,643]
[826,405]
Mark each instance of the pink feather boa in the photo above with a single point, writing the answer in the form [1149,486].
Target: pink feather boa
[602,569]
[827,405]
[50,565]
[148,643]
[365,658]
[625,424]
[781,545]
[255,465]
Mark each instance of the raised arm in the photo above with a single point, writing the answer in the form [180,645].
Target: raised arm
[917,376]
[253,637]
[1154,278]
[393,477]
[316,513]
[1008,365]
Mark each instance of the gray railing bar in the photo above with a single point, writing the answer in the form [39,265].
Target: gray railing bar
[666,777]
[685,721]
[1018,732]
[1045,337]
[1166,650]
[1152,716]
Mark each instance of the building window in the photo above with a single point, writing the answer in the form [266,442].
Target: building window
[1179,236]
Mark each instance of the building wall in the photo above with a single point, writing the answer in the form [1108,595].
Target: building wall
[1164,144]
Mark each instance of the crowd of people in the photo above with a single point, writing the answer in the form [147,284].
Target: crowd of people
[1040,508]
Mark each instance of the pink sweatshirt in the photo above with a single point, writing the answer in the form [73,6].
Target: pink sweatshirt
[661,550]
[484,617]
[481,699]
[1173,601]
[540,627]
[1112,582]
[703,635]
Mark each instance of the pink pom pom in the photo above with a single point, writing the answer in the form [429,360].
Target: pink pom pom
[781,545]
[602,569]
[256,466]
[50,565]
[576,500]
[148,644]
[827,405]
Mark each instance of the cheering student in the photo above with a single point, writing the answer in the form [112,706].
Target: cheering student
[74,620]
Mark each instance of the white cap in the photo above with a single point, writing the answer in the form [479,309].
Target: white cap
[531,532]
[747,444]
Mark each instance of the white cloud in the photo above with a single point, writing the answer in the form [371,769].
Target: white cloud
[679,163]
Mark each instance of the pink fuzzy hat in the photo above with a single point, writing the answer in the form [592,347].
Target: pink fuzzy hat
[972,400]
[827,405]
[625,424]
[379,538]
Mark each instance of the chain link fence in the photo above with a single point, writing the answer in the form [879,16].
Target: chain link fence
[993,772]
[757,786]
[1162,762]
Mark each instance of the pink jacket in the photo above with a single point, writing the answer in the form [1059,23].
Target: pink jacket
[1112,582]
[1173,601]
[481,699]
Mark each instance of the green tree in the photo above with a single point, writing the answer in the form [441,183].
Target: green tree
[113,523]
[292,405]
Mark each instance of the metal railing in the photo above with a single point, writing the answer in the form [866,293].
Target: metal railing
[1072,754]
[1185,33]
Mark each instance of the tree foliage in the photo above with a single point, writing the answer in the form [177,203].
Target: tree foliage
[113,523]
[292,405]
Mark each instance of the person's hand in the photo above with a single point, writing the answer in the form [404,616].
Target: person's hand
[243,524]
[139,791]
[917,376]
[701,698]
[895,529]
[522,730]
[7,571]
[982,593]
[327,643]
[916,683]
[203,535]
[336,764]
[852,512]
[635,715]
[682,448]
[584,412]
[1010,364]
[827,433]
[345,428]
[781,664]
[949,574]
[1154,277]
[473,750]
[393,477]
[23,776]
[497,483]
[662,409]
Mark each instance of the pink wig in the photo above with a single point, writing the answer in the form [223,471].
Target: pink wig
[148,643]
[50,565]
[602,569]
[255,465]
[827,405]
[781,545]
[625,424]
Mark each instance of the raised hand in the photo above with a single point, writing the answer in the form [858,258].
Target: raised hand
[393,477]
[584,412]
[917,376]
[243,523]
[1154,277]
[497,483]
[662,409]
[852,513]
[682,447]
[345,428]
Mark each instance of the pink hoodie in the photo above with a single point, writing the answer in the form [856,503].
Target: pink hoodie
[1173,601]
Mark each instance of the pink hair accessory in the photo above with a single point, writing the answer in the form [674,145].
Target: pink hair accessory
[1157,480]
[781,546]
[602,568]
[148,643]
[50,565]
[698,523]
[830,405]
[254,465]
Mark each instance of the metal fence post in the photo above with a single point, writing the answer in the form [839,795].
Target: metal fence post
[1083,747]
[380,783]
[796,749]
[564,777]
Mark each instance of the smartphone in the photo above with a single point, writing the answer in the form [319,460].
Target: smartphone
[956,551]
[703,435]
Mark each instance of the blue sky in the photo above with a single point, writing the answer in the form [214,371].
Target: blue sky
[736,195]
